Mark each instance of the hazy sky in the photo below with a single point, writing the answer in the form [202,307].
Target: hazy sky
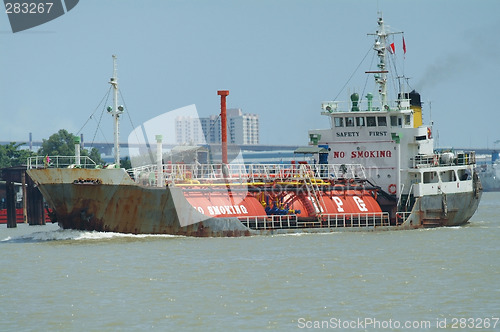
[280,59]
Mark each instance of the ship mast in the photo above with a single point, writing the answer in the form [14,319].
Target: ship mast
[380,47]
[115,111]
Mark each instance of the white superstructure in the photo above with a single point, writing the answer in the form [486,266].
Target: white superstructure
[390,140]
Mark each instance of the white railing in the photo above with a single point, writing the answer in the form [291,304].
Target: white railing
[270,222]
[365,105]
[325,221]
[173,173]
[357,219]
[444,159]
[60,162]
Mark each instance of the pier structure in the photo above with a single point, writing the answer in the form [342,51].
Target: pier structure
[33,206]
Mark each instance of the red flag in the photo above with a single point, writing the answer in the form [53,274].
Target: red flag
[404,45]
[393,48]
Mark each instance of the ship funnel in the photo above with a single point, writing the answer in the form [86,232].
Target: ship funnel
[415,105]
[415,99]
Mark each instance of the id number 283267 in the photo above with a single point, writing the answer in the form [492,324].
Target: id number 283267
[28,7]
[474,323]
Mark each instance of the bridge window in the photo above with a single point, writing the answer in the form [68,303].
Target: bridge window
[415,177]
[339,122]
[396,121]
[448,176]
[370,121]
[464,174]
[431,177]
[360,121]
[382,121]
[349,122]
[407,120]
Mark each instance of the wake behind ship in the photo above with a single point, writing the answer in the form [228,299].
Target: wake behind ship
[377,169]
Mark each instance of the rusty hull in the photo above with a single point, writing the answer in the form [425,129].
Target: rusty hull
[109,200]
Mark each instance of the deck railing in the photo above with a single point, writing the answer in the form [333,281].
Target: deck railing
[60,162]
[357,219]
[324,221]
[364,104]
[444,159]
[173,173]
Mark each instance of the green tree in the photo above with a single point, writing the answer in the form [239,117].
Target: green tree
[95,155]
[59,144]
[62,143]
[125,163]
[11,155]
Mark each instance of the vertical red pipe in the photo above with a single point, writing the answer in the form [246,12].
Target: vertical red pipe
[223,123]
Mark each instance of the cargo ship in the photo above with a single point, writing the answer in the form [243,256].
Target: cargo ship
[489,173]
[376,169]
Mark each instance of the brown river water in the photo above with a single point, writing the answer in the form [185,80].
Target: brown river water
[432,279]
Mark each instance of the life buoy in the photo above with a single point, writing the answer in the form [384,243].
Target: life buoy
[392,189]
[429,132]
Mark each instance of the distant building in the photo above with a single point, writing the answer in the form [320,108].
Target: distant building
[211,129]
[188,130]
[242,128]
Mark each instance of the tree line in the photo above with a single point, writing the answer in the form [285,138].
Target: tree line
[58,144]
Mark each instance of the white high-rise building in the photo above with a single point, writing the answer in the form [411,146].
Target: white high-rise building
[242,129]
[211,129]
[188,130]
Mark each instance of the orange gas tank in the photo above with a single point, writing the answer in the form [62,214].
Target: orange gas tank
[351,202]
[215,204]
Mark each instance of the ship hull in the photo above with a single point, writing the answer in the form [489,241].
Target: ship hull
[109,201]
[444,210]
[137,210]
